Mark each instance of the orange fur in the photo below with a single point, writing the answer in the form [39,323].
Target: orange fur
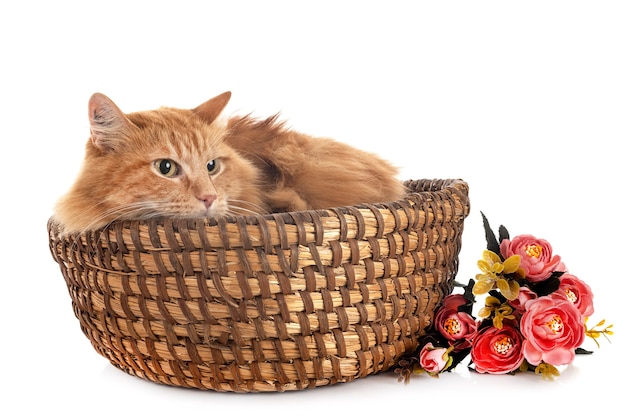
[260,167]
[312,172]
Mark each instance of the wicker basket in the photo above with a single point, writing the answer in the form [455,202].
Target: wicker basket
[267,303]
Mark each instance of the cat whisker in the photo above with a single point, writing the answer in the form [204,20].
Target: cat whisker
[128,211]
[254,208]
[239,211]
[143,210]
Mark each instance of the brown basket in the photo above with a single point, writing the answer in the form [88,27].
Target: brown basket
[267,303]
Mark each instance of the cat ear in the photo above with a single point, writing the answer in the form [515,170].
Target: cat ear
[209,110]
[107,122]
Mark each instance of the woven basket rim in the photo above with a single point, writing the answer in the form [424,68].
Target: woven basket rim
[427,186]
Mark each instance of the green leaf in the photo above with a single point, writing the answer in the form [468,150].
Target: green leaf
[581,351]
[499,296]
[457,357]
[492,243]
[504,234]
[468,295]
[547,286]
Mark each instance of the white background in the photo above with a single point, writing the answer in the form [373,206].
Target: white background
[526,101]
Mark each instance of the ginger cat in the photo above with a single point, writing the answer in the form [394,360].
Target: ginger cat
[186,163]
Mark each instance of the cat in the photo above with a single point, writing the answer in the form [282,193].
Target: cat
[188,163]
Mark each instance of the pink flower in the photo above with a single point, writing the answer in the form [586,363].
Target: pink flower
[457,327]
[434,359]
[525,295]
[497,351]
[561,267]
[536,256]
[578,292]
[553,328]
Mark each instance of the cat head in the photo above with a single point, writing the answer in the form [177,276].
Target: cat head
[159,163]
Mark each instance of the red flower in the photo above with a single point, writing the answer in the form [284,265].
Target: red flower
[497,351]
[578,292]
[457,327]
[553,328]
[536,256]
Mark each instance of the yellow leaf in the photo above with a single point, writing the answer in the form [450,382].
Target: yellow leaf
[490,256]
[484,266]
[482,287]
[514,289]
[503,285]
[524,366]
[484,312]
[492,301]
[510,290]
[511,264]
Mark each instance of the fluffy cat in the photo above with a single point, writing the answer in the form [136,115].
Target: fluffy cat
[186,163]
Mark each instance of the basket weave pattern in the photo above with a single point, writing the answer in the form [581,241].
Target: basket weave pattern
[267,303]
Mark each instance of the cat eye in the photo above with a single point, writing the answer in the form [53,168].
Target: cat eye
[166,167]
[213,166]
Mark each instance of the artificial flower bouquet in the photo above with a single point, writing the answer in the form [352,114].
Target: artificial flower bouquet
[534,316]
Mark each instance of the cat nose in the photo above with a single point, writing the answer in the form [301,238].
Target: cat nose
[208,199]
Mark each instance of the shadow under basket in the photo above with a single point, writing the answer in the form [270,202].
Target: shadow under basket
[279,302]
